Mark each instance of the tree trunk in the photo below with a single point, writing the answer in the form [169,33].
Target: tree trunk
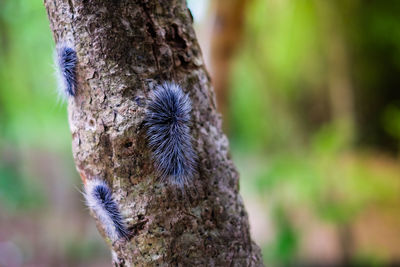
[124,48]
[340,89]
[226,35]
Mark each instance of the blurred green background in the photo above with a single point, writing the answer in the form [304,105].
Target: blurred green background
[309,91]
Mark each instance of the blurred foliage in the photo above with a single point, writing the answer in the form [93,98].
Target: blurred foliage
[283,251]
[21,90]
[18,193]
[305,156]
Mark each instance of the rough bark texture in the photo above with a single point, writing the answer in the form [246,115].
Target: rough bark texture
[123,48]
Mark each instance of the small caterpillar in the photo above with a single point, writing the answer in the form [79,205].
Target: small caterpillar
[100,200]
[66,72]
[167,121]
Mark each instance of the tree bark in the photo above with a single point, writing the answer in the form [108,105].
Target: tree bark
[124,48]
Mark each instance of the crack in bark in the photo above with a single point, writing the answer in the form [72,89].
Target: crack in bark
[71,5]
[136,228]
[153,33]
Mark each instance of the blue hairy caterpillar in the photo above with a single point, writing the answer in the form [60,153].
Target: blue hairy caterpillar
[99,199]
[168,133]
[66,60]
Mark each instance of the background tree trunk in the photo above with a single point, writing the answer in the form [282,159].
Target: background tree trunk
[123,48]
[226,35]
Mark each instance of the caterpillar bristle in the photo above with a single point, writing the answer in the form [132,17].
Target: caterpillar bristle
[100,200]
[66,60]
[168,133]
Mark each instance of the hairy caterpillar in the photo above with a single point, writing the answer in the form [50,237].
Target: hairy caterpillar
[66,72]
[167,121]
[100,200]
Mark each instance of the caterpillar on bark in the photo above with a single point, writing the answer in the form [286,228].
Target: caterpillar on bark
[168,133]
[99,199]
[66,59]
